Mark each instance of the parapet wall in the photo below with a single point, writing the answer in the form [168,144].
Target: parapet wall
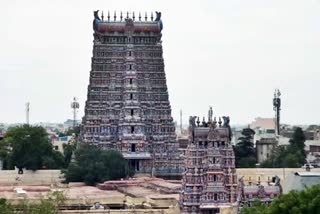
[54,177]
[29,177]
[253,174]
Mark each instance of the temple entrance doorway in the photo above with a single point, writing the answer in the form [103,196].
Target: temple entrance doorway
[213,211]
[134,164]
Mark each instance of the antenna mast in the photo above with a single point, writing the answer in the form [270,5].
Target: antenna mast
[75,106]
[276,108]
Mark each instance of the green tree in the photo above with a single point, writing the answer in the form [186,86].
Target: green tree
[93,165]
[257,207]
[291,156]
[295,202]
[5,155]
[245,153]
[68,150]
[297,144]
[30,148]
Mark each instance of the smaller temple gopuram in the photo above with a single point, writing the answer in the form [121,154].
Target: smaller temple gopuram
[209,182]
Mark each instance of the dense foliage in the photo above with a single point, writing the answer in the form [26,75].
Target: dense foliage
[291,156]
[68,150]
[48,205]
[29,147]
[244,150]
[93,165]
[295,202]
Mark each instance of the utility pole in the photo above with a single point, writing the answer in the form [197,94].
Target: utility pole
[75,106]
[181,120]
[27,112]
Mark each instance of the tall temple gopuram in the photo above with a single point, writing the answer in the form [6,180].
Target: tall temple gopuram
[209,182]
[127,105]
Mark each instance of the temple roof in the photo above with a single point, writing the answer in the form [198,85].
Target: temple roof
[204,132]
[265,190]
[110,27]
[128,23]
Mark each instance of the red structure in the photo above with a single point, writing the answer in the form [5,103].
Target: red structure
[209,181]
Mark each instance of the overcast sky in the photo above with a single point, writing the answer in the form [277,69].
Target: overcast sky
[230,54]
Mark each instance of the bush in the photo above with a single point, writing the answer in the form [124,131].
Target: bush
[93,165]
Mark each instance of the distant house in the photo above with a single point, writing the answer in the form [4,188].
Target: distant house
[263,123]
[60,141]
[265,140]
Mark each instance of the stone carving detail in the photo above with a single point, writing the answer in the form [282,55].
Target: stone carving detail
[127,105]
[96,20]
[226,121]
[158,16]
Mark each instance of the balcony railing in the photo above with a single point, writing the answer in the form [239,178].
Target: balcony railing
[191,202]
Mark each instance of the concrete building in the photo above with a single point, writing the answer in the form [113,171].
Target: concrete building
[58,143]
[265,141]
[312,148]
[263,123]
[236,135]
[301,180]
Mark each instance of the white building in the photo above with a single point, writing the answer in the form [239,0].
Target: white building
[60,141]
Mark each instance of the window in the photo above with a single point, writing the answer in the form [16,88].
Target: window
[215,196]
[132,112]
[132,129]
[129,53]
[130,81]
[133,147]
[131,96]
[130,66]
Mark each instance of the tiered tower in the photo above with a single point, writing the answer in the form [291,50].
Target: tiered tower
[128,107]
[209,181]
